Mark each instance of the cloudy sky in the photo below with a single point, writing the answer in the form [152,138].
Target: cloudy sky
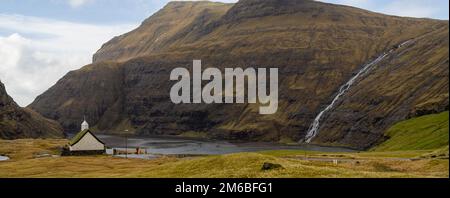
[41,40]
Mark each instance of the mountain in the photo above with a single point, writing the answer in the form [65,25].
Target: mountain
[316,46]
[428,132]
[17,122]
[166,28]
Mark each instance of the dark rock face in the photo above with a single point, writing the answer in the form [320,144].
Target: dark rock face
[316,46]
[16,122]
[270,166]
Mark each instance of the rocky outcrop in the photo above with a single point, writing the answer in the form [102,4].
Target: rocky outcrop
[316,46]
[16,122]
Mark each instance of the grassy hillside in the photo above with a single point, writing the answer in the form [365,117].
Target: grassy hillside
[421,133]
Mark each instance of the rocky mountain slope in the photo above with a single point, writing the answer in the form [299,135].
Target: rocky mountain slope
[412,82]
[16,122]
[316,46]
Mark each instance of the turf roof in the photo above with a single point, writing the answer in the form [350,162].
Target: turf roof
[80,135]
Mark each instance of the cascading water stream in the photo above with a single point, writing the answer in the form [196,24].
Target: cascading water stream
[314,128]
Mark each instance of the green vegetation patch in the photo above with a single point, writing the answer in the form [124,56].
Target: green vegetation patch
[421,133]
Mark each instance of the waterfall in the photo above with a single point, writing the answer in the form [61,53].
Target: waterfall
[314,128]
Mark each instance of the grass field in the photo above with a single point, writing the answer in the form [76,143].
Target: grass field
[25,163]
[416,148]
[421,133]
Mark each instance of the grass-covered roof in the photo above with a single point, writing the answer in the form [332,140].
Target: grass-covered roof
[80,135]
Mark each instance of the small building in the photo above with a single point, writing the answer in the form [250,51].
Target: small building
[85,143]
[84,125]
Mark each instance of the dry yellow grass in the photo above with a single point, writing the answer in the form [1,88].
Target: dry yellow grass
[23,163]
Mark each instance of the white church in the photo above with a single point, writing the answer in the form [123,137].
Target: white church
[85,142]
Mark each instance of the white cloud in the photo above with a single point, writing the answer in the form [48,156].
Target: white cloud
[78,3]
[40,51]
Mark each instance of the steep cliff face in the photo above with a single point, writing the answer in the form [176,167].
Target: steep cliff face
[316,46]
[411,82]
[88,92]
[16,122]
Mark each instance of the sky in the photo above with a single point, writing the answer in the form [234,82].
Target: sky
[42,40]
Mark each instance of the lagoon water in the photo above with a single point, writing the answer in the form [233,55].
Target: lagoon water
[187,146]
[3,158]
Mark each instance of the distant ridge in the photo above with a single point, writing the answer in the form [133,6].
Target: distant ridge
[16,122]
